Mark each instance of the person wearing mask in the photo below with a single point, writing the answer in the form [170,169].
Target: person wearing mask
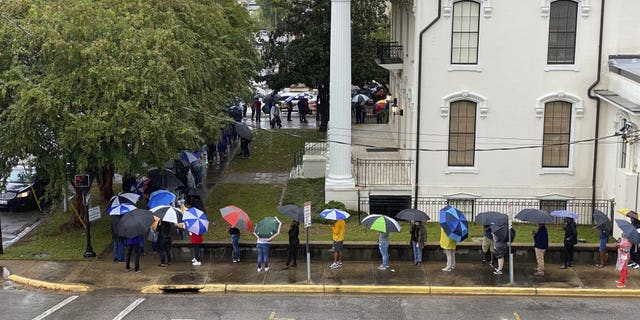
[541,243]
[418,237]
[570,240]
[294,241]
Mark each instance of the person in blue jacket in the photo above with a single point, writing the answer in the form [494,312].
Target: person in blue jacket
[133,246]
[541,243]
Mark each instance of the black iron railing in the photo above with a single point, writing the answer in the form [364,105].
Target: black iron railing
[317,147]
[472,207]
[383,172]
[389,52]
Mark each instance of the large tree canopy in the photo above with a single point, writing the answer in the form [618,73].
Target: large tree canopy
[299,44]
[104,86]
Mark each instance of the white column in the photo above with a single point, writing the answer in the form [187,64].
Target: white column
[338,174]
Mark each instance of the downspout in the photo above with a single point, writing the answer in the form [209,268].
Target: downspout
[415,195]
[597,135]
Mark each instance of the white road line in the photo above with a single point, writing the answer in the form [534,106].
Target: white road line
[130,308]
[55,308]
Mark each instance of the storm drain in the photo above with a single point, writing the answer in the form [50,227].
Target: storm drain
[184,283]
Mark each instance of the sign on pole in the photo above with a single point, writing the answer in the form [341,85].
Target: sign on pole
[307,214]
[94,213]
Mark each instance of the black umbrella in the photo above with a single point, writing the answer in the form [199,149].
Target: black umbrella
[492,217]
[534,216]
[413,215]
[628,231]
[602,221]
[163,179]
[244,131]
[135,223]
[501,232]
[292,211]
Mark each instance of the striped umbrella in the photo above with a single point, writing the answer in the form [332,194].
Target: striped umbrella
[168,213]
[381,223]
[334,214]
[236,217]
[195,220]
[123,198]
[120,209]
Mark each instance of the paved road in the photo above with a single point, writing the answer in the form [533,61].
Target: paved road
[19,303]
[15,222]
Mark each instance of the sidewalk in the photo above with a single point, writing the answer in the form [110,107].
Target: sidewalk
[362,277]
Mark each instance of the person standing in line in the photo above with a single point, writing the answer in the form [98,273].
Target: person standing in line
[624,256]
[275,117]
[499,249]
[338,232]
[257,109]
[164,242]
[118,241]
[449,246]
[133,246]
[302,109]
[263,244]
[289,109]
[570,240]
[234,232]
[487,245]
[603,235]
[196,240]
[635,258]
[418,237]
[541,243]
[383,245]
[244,147]
[294,241]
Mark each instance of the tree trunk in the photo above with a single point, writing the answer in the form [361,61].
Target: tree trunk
[77,218]
[104,179]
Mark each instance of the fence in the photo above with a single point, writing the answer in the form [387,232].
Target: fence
[316,147]
[472,207]
[383,172]
[389,52]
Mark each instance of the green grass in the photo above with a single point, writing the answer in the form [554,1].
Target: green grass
[272,151]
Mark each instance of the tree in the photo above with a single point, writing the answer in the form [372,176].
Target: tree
[111,86]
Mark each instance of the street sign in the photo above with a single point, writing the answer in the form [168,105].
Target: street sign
[94,213]
[307,214]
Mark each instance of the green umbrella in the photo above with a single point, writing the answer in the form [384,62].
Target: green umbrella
[381,223]
[268,227]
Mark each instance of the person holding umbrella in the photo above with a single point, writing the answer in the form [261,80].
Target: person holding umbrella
[294,241]
[418,237]
[541,243]
[133,246]
[338,232]
[624,256]
[448,245]
[234,232]
[267,229]
[570,240]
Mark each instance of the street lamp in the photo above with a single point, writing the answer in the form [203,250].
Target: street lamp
[82,183]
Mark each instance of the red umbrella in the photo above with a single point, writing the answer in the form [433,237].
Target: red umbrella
[236,217]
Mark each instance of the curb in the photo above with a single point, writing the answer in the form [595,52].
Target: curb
[485,291]
[273,288]
[48,285]
[369,289]
[577,292]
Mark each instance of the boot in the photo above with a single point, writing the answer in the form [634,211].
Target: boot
[602,260]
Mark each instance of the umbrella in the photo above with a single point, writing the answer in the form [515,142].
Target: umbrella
[138,186]
[501,232]
[236,217]
[492,217]
[135,223]
[413,215]
[454,223]
[195,220]
[534,216]
[359,98]
[161,198]
[290,98]
[602,221]
[123,198]
[379,106]
[292,211]
[168,213]
[244,131]
[381,223]
[628,231]
[334,214]
[268,227]
[188,157]
[120,209]
[564,214]
[629,213]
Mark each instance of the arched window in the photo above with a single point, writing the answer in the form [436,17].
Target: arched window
[462,133]
[557,132]
[465,32]
[562,32]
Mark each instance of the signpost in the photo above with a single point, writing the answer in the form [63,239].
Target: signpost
[82,183]
[307,224]
[94,213]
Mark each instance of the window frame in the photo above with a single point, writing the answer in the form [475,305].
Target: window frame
[454,116]
[457,5]
[561,134]
[553,10]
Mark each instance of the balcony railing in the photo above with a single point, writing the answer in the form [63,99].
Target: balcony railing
[389,53]
[383,172]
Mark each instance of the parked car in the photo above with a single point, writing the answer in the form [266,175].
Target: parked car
[294,99]
[20,189]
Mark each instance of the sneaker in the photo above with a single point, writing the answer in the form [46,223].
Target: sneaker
[636,266]
[193,260]
[382,268]
[334,266]
[266,268]
[538,273]
[138,271]
[446,269]
[618,282]
[497,271]
[339,263]
[196,263]
[162,265]
[631,264]
[563,267]
[259,269]
[621,285]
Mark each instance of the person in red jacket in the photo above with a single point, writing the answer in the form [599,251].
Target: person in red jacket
[196,240]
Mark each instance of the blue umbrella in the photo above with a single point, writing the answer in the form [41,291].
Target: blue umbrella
[161,198]
[188,157]
[195,220]
[334,214]
[454,223]
[564,214]
[121,209]
[628,231]
[290,98]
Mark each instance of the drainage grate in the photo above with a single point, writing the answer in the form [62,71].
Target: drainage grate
[386,149]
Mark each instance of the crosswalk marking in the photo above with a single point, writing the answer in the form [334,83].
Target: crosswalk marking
[128,309]
[55,308]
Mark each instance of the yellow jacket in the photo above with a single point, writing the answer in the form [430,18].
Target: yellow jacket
[338,230]
[446,242]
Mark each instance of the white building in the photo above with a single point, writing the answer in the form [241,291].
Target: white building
[481,86]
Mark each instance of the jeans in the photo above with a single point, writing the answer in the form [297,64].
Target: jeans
[384,251]
[263,254]
[118,249]
[196,251]
[417,251]
[164,245]
[136,250]
[235,241]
